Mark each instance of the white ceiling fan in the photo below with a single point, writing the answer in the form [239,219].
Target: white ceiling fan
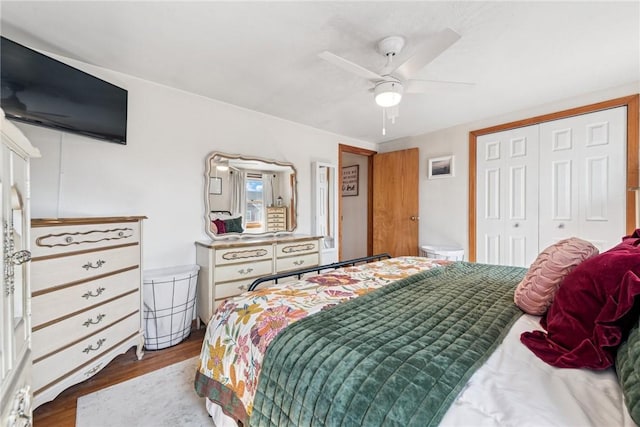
[391,83]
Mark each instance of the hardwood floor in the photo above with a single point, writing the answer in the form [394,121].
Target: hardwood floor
[61,412]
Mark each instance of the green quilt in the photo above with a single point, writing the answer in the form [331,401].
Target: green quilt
[397,356]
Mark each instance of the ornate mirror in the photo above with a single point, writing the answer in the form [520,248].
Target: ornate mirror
[248,196]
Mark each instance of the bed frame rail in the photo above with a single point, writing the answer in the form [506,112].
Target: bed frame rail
[318,269]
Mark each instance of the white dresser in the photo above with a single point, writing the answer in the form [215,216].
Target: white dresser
[15,296]
[227,268]
[86,298]
[276,218]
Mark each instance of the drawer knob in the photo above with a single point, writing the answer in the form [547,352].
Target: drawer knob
[300,262]
[247,271]
[90,265]
[90,294]
[242,287]
[68,239]
[98,345]
[90,321]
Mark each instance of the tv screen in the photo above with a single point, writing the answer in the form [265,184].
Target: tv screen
[40,90]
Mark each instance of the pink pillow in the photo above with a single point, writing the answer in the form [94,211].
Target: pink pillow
[536,291]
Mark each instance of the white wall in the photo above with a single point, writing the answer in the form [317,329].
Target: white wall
[354,211]
[444,202]
[160,172]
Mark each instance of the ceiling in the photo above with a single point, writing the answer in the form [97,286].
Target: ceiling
[264,55]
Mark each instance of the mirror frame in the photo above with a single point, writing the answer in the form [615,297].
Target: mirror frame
[235,235]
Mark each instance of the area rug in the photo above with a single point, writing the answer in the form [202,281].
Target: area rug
[165,397]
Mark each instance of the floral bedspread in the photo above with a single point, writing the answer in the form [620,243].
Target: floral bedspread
[242,327]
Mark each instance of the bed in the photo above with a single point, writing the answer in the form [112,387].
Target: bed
[403,341]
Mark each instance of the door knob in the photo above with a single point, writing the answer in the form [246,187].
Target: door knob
[561,225]
[414,218]
[516,225]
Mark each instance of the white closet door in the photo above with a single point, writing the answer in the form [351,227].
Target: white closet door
[583,178]
[507,192]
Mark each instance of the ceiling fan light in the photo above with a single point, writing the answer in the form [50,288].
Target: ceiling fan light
[388,94]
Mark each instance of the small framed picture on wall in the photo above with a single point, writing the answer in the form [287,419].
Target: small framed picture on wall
[441,167]
[350,180]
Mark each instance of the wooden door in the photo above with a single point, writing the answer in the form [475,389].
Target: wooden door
[507,197]
[395,202]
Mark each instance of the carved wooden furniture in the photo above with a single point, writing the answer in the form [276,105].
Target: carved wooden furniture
[15,295]
[228,267]
[86,298]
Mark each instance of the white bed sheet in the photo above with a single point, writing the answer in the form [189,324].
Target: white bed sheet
[515,388]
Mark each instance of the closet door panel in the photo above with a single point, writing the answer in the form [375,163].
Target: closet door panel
[597,189]
[517,251]
[492,249]
[507,197]
[582,167]
[559,204]
[558,182]
[561,190]
[490,195]
[518,192]
[490,227]
[523,197]
[603,212]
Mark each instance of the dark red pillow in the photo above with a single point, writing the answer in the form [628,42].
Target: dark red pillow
[220,226]
[592,310]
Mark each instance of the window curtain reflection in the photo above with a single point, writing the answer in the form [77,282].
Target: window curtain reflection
[237,193]
[269,188]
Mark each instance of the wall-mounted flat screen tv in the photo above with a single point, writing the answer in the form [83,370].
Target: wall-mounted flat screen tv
[42,91]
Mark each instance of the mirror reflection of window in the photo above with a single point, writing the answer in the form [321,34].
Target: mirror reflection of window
[254,202]
[240,194]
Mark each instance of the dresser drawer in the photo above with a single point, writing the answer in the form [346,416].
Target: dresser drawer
[47,306]
[82,324]
[297,262]
[231,289]
[51,272]
[244,254]
[249,270]
[58,365]
[64,239]
[296,248]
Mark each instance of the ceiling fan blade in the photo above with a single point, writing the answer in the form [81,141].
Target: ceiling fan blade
[350,66]
[427,52]
[422,86]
